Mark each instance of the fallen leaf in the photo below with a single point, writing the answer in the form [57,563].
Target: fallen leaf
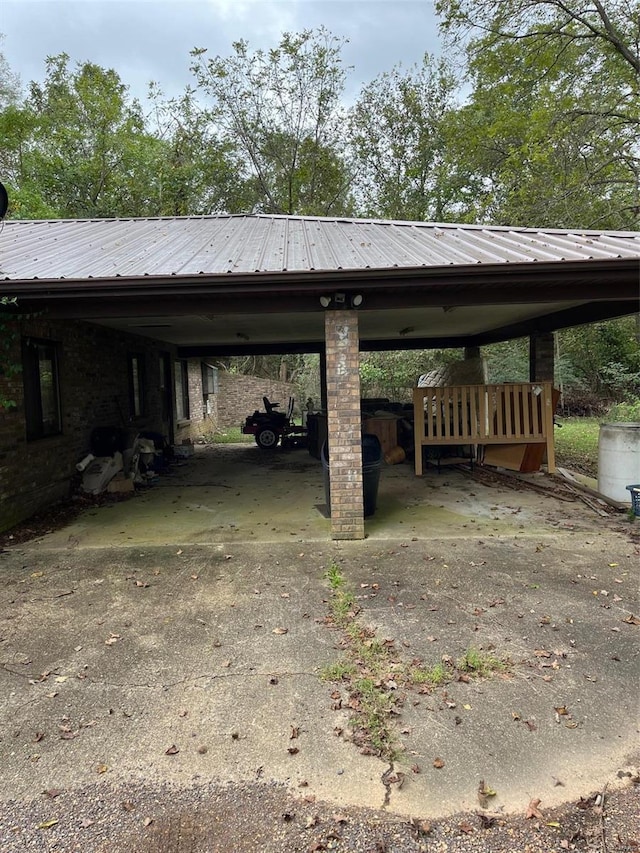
[632,620]
[421,827]
[561,710]
[438,763]
[466,827]
[484,792]
[47,824]
[173,750]
[60,679]
[101,768]
[533,810]
[280,631]
[311,821]
[52,793]
[295,732]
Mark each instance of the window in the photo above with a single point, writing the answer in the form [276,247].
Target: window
[182,390]
[209,379]
[136,385]
[41,391]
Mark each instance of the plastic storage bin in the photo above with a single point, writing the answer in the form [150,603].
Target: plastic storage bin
[635,499]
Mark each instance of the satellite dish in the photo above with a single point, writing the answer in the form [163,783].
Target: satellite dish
[4,201]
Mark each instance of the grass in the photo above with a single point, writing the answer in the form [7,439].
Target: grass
[375,677]
[479,663]
[434,676]
[577,445]
[231,435]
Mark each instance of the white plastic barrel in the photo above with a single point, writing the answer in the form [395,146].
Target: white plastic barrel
[618,460]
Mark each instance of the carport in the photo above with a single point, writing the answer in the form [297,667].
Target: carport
[232,285]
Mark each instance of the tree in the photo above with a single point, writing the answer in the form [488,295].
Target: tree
[196,172]
[282,109]
[88,141]
[10,88]
[549,135]
[397,130]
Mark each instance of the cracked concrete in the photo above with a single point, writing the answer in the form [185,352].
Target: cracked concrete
[198,658]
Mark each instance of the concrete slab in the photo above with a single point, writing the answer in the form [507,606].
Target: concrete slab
[239,493]
[181,636]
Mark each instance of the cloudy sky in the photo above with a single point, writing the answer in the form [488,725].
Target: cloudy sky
[146,40]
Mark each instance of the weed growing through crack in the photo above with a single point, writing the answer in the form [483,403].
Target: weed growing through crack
[368,672]
[481,664]
[375,677]
[435,676]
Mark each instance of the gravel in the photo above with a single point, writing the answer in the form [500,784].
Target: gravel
[267,818]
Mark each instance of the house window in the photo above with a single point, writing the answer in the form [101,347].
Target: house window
[209,379]
[136,385]
[41,390]
[182,390]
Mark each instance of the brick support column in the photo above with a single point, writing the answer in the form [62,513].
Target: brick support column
[344,424]
[541,351]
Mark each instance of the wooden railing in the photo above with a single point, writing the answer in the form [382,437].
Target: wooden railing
[518,413]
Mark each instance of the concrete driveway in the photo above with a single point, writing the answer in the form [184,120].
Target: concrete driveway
[185,636]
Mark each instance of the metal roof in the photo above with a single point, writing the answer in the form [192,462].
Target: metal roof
[222,245]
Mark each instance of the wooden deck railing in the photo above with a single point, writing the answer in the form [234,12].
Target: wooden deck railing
[518,413]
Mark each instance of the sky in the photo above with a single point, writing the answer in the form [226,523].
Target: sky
[150,40]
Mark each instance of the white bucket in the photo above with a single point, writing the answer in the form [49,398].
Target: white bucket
[618,460]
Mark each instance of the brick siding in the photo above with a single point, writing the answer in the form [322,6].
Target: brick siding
[239,396]
[344,424]
[94,391]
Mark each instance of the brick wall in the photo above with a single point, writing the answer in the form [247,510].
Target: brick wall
[94,391]
[239,396]
[541,357]
[203,412]
[344,424]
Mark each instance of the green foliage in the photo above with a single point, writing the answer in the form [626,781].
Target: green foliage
[625,412]
[396,130]
[576,444]
[479,663]
[281,108]
[549,134]
[393,374]
[434,676]
[604,357]
[230,435]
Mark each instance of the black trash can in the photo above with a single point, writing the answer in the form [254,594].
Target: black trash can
[371,464]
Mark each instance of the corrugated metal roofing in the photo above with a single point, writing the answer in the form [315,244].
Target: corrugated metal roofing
[221,245]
